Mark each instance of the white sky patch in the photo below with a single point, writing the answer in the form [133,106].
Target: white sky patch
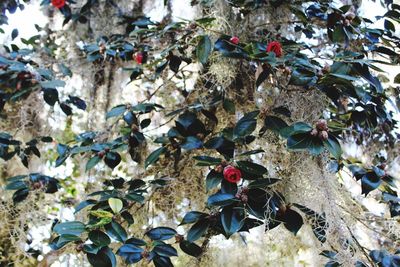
[24,21]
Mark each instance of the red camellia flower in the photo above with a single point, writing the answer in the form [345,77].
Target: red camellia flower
[139,58]
[58,3]
[234,40]
[231,174]
[275,47]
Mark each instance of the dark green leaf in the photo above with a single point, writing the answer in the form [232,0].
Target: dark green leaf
[298,127]
[165,250]
[332,144]
[112,159]
[116,231]
[104,258]
[299,141]
[370,181]
[14,34]
[229,106]
[153,157]
[92,162]
[220,199]
[274,124]
[50,95]
[65,239]
[197,230]
[203,49]
[190,248]
[232,219]
[263,183]
[84,204]
[192,217]
[213,179]
[292,221]
[130,253]
[116,111]
[252,168]
[69,228]
[207,161]
[161,233]
[397,78]
[99,238]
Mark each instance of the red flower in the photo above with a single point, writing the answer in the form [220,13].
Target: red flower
[231,174]
[234,40]
[275,47]
[58,3]
[139,58]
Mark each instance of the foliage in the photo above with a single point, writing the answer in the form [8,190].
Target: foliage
[204,130]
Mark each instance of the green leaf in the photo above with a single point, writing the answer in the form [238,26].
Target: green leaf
[190,248]
[99,238]
[116,111]
[65,70]
[115,205]
[92,162]
[292,221]
[213,179]
[333,145]
[207,161]
[221,199]
[232,219]
[165,250]
[370,181]
[84,204]
[16,185]
[229,106]
[251,152]
[191,143]
[52,84]
[252,168]
[50,96]
[197,230]
[69,228]
[153,157]
[316,146]
[14,34]
[263,183]
[130,252]
[161,233]
[104,258]
[299,141]
[192,217]
[135,197]
[274,124]
[298,127]
[246,125]
[116,231]
[65,239]
[397,78]
[112,159]
[203,49]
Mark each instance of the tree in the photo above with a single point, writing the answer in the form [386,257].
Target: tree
[172,133]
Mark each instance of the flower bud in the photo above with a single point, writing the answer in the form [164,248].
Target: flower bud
[321,125]
[139,58]
[323,135]
[179,238]
[219,168]
[234,40]
[349,15]
[314,132]
[37,185]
